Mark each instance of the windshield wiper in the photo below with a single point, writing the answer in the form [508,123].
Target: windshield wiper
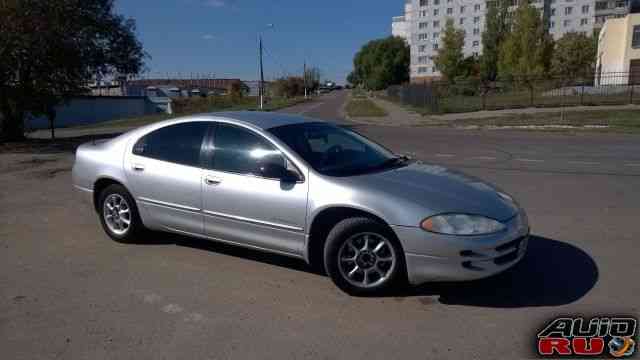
[393,162]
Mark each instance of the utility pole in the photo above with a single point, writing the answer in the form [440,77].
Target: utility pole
[261,87]
[304,78]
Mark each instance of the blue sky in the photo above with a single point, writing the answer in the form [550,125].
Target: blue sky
[220,36]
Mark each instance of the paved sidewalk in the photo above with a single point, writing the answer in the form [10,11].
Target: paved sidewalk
[401,116]
[396,115]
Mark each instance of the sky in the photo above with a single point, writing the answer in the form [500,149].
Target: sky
[220,36]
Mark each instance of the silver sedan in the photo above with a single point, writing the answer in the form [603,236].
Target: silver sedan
[303,188]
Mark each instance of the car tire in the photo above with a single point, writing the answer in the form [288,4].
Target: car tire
[119,214]
[363,257]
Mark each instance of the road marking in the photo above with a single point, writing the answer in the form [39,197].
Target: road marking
[631,164]
[151,298]
[484,157]
[530,160]
[194,317]
[584,162]
[172,309]
[444,155]
[311,108]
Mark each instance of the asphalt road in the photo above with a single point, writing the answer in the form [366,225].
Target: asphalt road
[67,291]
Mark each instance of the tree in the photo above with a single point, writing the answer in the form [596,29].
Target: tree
[383,62]
[525,53]
[496,29]
[574,55]
[312,78]
[450,58]
[353,79]
[50,50]
[291,86]
[237,90]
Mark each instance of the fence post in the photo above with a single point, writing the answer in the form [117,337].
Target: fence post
[582,94]
[531,95]
[631,94]
[424,92]
[484,96]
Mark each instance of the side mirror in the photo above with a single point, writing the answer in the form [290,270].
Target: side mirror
[278,171]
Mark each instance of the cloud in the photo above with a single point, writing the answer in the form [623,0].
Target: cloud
[208,37]
[215,3]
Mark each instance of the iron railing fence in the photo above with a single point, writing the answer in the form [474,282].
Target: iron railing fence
[518,92]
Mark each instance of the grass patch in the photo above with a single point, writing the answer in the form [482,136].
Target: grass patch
[446,104]
[627,121]
[190,106]
[364,108]
[358,93]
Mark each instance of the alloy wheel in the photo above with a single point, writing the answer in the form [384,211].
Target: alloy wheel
[367,260]
[117,214]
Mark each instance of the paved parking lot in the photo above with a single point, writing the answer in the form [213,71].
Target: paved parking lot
[67,291]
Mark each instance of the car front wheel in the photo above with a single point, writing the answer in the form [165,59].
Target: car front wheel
[363,257]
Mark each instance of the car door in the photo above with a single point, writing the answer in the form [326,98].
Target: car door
[164,169]
[241,205]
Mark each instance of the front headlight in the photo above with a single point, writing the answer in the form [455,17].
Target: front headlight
[461,224]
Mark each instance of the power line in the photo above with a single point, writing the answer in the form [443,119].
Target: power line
[277,60]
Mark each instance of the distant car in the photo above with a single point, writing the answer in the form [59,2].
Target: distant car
[304,188]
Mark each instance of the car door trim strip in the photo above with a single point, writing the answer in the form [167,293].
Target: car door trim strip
[168,204]
[249,220]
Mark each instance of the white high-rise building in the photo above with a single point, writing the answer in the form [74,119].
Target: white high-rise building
[424,20]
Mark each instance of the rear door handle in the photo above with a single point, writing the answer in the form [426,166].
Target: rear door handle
[138,167]
[210,180]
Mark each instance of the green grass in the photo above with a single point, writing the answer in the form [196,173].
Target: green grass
[626,121]
[358,93]
[516,100]
[364,108]
[189,106]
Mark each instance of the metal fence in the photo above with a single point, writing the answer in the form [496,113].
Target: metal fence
[519,92]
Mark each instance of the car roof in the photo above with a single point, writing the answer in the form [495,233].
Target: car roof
[261,119]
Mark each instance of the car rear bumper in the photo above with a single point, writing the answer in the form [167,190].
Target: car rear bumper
[436,257]
[83,194]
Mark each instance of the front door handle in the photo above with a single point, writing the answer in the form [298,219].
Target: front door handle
[138,167]
[210,180]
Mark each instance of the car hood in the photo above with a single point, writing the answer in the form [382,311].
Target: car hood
[438,190]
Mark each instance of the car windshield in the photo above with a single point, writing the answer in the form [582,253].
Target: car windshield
[336,151]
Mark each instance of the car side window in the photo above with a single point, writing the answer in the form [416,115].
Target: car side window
[241,151]
[179,143]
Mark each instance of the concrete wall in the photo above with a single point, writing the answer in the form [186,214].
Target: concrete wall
[94,109]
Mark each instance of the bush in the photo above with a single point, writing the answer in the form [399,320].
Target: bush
[196,104]
[288,87]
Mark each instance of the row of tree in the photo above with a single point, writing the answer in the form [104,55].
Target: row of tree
[292,86]
[513,45]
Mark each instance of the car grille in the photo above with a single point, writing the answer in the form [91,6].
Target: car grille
[505,259]
[513,244]
[509,250]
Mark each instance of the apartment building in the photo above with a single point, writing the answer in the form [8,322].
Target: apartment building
[619,51]
[423,23]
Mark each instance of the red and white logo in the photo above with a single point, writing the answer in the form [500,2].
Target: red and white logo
[598,336]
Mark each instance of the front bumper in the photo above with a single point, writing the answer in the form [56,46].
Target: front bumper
[437,257]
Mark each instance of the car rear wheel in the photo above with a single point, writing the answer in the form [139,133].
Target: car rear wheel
[119,214]
[363,257]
